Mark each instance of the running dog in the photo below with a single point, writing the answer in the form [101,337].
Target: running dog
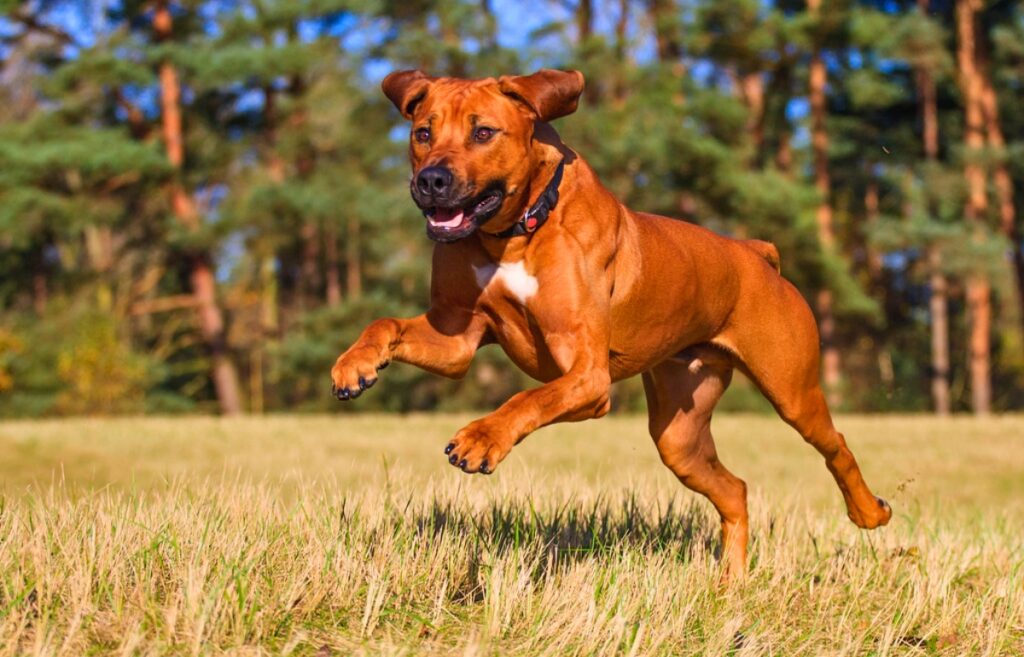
[534,254]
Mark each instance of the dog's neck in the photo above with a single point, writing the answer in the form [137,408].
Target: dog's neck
[555,160]
[546,196]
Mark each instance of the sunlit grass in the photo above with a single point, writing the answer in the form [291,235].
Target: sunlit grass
[352,535]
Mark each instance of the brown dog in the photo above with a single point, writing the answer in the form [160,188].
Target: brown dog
[536,255]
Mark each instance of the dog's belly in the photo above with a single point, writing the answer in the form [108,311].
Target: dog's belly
[675,288]
[523,343]
[632,353]
[635,352]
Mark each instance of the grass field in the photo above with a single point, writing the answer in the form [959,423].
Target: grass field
[352,535]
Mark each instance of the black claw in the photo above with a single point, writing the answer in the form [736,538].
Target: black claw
[362,384]
[483,467]
[369,384]
[449,448]
[354,393]
[463,464]
[453,459]
[384,364]
[334,389]
[343,394]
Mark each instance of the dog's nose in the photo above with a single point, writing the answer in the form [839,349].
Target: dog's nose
[435,181]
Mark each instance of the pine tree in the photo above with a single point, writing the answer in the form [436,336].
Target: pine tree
[824,299]
[254,222]
[979,291]
[927,64]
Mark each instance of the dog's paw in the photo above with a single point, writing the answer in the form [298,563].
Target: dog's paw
[478,448]
[876,515]
[356,371]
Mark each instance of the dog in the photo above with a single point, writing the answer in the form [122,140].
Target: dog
[534,254]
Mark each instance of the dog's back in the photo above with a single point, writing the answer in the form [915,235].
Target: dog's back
[767,251]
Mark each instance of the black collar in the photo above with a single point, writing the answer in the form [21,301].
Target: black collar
[538,213]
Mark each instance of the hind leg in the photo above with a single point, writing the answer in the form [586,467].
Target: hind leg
[808,413]
[779,352]
[680,399]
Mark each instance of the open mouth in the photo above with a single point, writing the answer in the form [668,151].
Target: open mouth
[450,224]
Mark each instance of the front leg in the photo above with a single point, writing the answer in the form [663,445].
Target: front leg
[581,394]
[575,327]
[442,341]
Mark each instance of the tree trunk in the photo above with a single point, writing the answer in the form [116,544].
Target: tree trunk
[929,114]
[872,258]
[203,282]
[211,324]
[310,262]
[938,306]
[256,404]
[269,310]
[353,264]
[784,155]
[268,329]
[584,20]
[818,79]
[584,32]
[979,302]
[40,286]
[1003,182]
[873,266]
[938,303]
[979,306]
[276,169]
[621,24]
[332,274]
[780,85]
[752,89]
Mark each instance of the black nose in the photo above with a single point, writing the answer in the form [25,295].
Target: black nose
[435,181]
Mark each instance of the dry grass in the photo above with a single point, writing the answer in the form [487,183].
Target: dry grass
[351,535]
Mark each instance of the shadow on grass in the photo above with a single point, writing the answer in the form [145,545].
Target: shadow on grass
[573,531]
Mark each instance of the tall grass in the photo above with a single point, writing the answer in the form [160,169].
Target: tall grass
[194,537]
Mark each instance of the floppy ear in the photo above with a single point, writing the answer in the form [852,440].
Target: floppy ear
[405,89]
[549,94]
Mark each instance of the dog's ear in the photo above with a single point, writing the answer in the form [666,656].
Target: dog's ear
[405,89]
[547,93]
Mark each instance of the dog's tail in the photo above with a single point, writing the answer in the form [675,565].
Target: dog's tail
[767,251]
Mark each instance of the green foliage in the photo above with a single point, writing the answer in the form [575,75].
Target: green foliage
[870,90]
[71,362]
[99,375]
[305,382]
[98,68]
[11,346]
[296,166]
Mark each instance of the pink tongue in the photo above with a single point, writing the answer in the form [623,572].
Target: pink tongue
[446,218]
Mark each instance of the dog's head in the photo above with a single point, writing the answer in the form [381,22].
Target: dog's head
[472,144]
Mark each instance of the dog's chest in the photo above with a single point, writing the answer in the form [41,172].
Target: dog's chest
[507,277]
[507,290]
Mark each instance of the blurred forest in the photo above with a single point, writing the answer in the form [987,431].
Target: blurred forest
[203,202]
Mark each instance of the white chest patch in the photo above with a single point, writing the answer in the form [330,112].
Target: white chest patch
[512,275]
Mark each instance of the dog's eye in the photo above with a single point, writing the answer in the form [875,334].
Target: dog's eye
[422,135]
[483,134]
